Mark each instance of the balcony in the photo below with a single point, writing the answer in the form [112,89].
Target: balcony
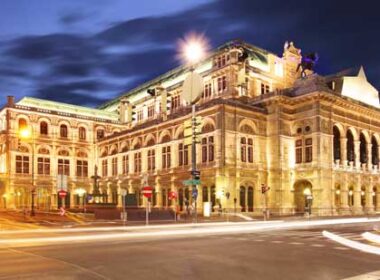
[351,167]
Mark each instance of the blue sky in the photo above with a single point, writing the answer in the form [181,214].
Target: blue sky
[87,52]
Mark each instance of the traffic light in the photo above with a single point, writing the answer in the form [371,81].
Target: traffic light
[131,112]
[18,144]
[264,188]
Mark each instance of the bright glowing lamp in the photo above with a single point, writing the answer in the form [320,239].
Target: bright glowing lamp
[80,192]
[193,48]
[25,133]
[307,191]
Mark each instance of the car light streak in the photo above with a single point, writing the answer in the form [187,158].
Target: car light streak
[371,237]
[352,244]
[229,228]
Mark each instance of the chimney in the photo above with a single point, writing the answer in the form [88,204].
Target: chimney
[10,101]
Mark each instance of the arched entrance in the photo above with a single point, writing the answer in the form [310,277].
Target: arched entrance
[303,195]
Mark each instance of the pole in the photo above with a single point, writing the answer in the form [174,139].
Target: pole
[147,212]
[32,212]
[193,157]
[124,217]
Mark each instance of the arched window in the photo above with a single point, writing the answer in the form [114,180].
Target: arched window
[250,199]
[375,151]
[363,149]
[22,124]
[82,133]
[350,147]
[100,134]
[336,143]
[63,131]
[43,128]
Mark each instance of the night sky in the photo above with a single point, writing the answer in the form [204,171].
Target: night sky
[87,52]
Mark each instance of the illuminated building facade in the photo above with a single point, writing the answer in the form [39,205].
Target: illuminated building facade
[313,138]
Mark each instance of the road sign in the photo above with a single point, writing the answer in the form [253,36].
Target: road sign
[62,211]
[62,194]
[191,182]
[147,191]
[195,172]
[172,195]
[192,87]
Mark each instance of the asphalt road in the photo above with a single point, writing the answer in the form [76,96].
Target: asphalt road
[276,254]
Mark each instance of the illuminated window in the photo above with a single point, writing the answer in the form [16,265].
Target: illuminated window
[100,134]
[22,124]
[308,150]
[151,160]
[208,149]
[22,164]
[63,131]
[299,151]
[43,128]
[183,155]
[114,166]
[137,161]
[125,164]
[82,133]
[105,167]
[222,83]
[64,167]
[82,168]
[264,88]
[43,166]
[166,157]
[207,91]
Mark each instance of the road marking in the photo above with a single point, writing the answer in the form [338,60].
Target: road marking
[353,244]
[277,241]
[341,248]
[296,243]
[371,237]
[317,245]
[258,240]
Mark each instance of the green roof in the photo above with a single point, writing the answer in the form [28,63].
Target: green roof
[254,52]
[67,108]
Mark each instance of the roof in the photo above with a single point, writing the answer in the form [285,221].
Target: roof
[67,108]
[255,53]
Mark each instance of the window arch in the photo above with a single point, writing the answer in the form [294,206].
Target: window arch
[63,130]
[82,133]
[43,151]
[64,153]
[208,127]
[43,128]
[22,124]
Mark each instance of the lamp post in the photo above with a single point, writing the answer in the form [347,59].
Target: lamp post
[25,134]
[193,50]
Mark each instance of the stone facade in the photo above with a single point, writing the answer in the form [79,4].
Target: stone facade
[261,125]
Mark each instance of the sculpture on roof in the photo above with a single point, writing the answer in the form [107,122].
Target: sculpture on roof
[307,63]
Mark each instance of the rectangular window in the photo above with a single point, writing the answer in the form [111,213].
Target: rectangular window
[22,164]
[264,88]
[137,161]
[125,164]
[100,134]
[105,167]
[151,160]
[250,150]
[151,111]
[176,102]
[140,116]
[82,168]
[308,150]
[64,167]
[207,91]
[43,166]
[166,160]
[211,148]
[299,151]
[114,166]
[243,150]
[204,149]
[222,83]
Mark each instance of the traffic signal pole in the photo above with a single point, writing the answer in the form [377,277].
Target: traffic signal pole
[193,157]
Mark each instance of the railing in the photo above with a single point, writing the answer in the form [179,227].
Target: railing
[351,167]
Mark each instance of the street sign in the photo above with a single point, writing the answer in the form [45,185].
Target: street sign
[62,194]
[192,87]
[191,182]
[172,195]
[147,191]
[195,172]
[62,211]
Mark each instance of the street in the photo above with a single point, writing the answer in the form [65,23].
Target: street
[294,253]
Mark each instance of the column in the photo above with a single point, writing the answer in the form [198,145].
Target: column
[368,198]
[377,199]
[343,151]
[158,190]
[119,197]
[357,209]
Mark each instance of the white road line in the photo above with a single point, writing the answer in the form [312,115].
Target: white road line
[277,241]
[374,275]
[317,245]
[352,244]
[296,243]
[341,248]
[258,240]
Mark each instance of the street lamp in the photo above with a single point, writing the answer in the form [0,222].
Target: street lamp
[192,50]
[25,134]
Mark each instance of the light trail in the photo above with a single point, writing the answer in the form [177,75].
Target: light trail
[230,228]
[352,244]
[371,237]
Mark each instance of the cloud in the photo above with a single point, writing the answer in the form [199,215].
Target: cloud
[82,68]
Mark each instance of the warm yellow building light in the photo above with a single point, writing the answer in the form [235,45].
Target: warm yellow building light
[25,133]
